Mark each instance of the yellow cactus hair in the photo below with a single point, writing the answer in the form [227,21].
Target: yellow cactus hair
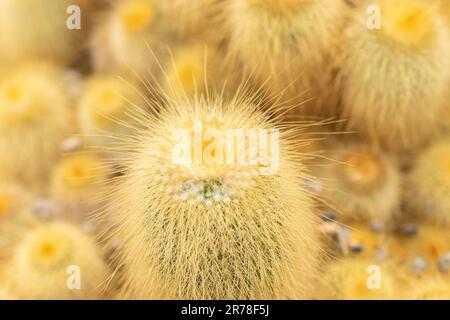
[78,182]
[363,183]
[348,279]
[287,41]
[105,108]
[37,29]
[192,66]
[213,231]
[427,186]
[41,261]
[394,80]
[123,40]
[34,121]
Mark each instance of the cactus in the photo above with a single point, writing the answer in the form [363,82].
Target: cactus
[41,260]
[394,80]
[427,186]
[211,230]
[285,42]
[78,183]
[105,107]
[362,183]
[34,121]
[123,41]
[15,217]
[37,29]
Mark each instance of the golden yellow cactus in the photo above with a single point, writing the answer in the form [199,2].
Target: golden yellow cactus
[125,39]
[15,220]
[35,120]
[212,229]
[38,29]
[49,255]
[360,182]
[357,279]
[79,182]
[105,108]
[284,43]
[427,186]
[395,72]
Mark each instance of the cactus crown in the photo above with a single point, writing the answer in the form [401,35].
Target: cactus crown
[79,172]
[136,15]
[106,100]
[213,172]
[362,170]
[28,96]
[49,247]
[408,23]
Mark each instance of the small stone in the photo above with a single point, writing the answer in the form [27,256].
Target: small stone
[377,226]
[418,265]
[44,208]
[410,229]
[356,248]
[444,263]
[71,144]
[380,254]
[343,238]
[329,229]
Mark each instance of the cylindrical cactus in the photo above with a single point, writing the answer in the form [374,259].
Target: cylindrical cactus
[15,217]
[214,230]
[124,41]
[394,76]
[78,183]
[38,29]
[285,43]
[105,108]
[427,186]
[34,121]
[42,259]
[360,183]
